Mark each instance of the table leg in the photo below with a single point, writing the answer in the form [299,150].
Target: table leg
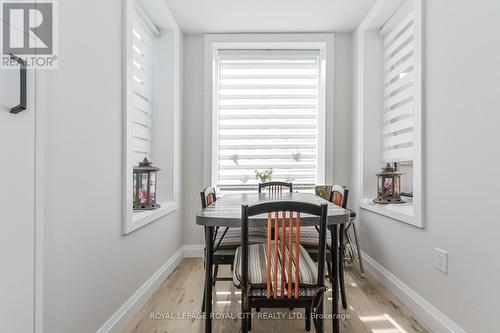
[335,279]
[208,278]
[343,295]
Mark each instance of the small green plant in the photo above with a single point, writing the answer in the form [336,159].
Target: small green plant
[264,175]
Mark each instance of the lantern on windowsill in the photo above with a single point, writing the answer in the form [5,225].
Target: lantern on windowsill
[145,178]
[388,186]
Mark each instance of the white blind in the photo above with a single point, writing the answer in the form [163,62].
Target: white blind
[399,92]
[142,83]
[267,116]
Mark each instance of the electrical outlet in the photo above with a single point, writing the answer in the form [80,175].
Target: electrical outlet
[441,260]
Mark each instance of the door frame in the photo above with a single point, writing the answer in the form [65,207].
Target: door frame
[39,204]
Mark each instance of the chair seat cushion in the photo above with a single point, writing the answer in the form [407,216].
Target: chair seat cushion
[309,237]
[257,266]
[232,238]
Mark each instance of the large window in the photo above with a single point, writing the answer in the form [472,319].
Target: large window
[268,114]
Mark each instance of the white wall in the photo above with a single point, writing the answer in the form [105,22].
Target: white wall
[193,125]
[461,114]
[90,269]
[192,136]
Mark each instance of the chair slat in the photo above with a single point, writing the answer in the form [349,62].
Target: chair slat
[290,254]
[276,233]
[283,243]
[268,266]
[337,198]
[297,248]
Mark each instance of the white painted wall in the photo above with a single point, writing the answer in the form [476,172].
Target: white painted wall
[192,136]
[461,163]
[90,269]
[193,125]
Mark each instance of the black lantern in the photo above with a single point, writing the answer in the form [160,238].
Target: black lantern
[388,186]
[145,177]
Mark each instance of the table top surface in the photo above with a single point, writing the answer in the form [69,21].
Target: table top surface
[226,210]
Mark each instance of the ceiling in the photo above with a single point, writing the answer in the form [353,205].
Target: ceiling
[253,16]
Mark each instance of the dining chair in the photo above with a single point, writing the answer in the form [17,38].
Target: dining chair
[226,240]
[339,195]
[280,273]
[310,240]
[275,187]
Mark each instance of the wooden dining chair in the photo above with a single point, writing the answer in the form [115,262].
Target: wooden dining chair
[280,273]
[226,240]
[276,187]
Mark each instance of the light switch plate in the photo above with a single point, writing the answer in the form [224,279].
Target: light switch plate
[441,260]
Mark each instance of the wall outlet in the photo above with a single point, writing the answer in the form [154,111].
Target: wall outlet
[441,260]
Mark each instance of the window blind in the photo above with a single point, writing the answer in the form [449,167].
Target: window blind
[142,83]
[398,92]
[267,116]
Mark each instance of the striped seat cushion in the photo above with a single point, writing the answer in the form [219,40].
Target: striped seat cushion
[257,266]
[232,238]
[309,237]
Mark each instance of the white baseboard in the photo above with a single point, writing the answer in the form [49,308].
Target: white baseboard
[427,313]
[193,250]
[126,312]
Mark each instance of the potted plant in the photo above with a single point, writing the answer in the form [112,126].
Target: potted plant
[264,176]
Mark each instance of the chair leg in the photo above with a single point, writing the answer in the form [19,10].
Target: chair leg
[308,319]
[361,268]
[216,272]
[204,288]
[203,299]
[341,272]
[250,320]
[319,324]
[350,248]
[329,270]
[244,327]
[244,320]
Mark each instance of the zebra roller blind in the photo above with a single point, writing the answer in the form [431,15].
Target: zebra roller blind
[399,92]
[142,86]
[266,104]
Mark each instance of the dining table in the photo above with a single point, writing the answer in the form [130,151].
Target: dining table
[226,212]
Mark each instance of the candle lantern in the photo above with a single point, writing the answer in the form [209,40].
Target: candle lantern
[388,186]
[145,178]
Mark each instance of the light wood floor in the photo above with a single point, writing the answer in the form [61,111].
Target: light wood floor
[372,309]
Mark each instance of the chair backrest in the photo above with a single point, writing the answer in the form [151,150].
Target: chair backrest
[275,187]
[284,215]
[207,197]
[339,195]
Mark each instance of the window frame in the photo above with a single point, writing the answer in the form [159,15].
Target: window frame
[323,42]
[135,220]
[376,19]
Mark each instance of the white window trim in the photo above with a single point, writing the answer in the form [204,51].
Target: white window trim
[380,13]
[133,221]
[322,42]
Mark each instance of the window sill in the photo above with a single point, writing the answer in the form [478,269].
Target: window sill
[140,219]
[402,212]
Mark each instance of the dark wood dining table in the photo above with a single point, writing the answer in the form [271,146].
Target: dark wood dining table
[226,212]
